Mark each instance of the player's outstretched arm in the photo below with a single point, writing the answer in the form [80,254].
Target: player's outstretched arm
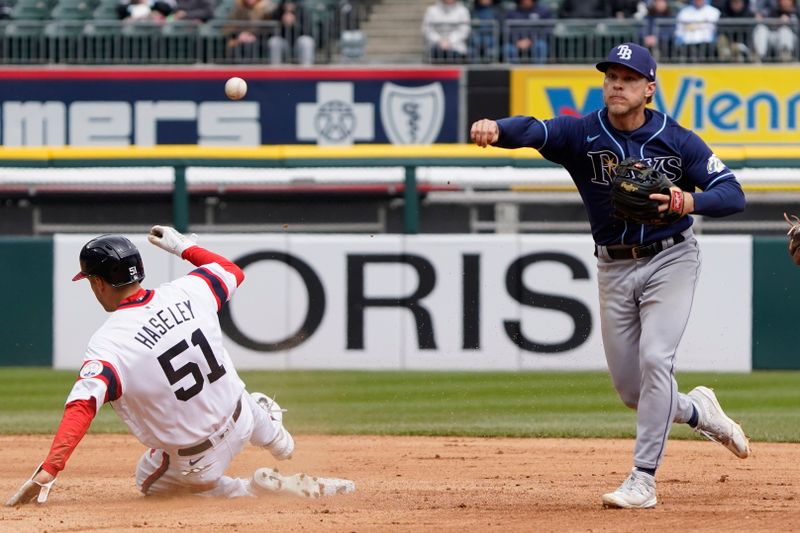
[175,242]
[35,487]
[78,416]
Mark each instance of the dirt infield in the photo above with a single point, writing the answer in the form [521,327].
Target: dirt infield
[424,484]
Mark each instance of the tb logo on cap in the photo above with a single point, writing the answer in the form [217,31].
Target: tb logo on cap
[624,52]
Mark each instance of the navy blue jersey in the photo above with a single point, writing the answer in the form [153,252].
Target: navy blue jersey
[590,148]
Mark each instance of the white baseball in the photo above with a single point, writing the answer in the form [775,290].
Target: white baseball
[235,88]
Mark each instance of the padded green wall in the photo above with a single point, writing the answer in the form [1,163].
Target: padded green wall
[26,318]
[26,286]
[776,306]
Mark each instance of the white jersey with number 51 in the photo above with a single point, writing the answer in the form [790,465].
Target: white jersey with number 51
[160,361]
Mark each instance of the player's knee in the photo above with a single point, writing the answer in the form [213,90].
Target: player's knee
[655,362]
[629,398]
[628,393]
[630,403]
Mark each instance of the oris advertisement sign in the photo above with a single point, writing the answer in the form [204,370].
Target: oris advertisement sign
[147,107]
[478,302]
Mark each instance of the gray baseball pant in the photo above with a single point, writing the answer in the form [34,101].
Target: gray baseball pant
[644,309]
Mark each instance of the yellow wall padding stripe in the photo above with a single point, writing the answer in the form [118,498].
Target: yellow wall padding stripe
[368,151]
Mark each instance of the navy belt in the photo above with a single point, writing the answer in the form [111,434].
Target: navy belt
[643,251]
[206,444]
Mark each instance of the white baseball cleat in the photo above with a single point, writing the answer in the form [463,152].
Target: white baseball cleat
[303,485]
[282,446]
[714,424]
[638,491]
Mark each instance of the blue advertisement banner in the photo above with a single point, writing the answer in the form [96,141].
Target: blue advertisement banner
[148,107]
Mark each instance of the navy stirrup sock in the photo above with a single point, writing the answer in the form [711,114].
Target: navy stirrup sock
[693,419]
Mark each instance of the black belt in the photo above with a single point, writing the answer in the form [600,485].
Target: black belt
[645,250]
[206,444]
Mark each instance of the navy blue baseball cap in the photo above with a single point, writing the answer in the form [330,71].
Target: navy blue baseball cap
[634,57]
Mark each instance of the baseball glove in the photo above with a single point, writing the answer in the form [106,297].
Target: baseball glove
[631,186]
[794,236]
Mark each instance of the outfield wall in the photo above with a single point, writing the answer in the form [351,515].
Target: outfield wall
[475,302]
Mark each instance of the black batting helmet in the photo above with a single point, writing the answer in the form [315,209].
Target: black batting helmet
[113,258]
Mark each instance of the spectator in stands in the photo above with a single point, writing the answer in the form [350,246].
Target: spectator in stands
[527,43]
[198,11]
[144,10]
[780,38]
[291,17]
[134,10]
[625,9]
[446,29]
[583,9]
[696,30]
[734,36]
[657,30]
[487,24]
[246,29]
[6,9]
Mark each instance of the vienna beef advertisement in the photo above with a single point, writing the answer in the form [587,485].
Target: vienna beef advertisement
[722,104]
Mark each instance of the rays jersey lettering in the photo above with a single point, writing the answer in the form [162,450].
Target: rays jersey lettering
[162,355]
[603,164]
[589,148]
[605,161]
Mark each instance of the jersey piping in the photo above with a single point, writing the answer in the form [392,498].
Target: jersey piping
[214,283]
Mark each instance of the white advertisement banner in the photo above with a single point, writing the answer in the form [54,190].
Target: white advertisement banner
[432,302]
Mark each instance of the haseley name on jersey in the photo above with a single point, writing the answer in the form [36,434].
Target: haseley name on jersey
[179,313]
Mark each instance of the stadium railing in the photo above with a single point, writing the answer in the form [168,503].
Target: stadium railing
[85,32]
[565,41]
[88,32]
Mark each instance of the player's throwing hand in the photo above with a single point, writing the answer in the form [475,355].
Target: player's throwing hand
[484,132]
[170,239]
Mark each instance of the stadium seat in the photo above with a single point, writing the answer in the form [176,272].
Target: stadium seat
[24,28]
[81,4]
[223,9]
[572,41]
[105,11]
[610,33]
[32,10]
[76,11]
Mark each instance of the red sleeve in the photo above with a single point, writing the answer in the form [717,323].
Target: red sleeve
[200,256]
[78,416]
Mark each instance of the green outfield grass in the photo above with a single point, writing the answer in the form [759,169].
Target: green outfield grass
[528,404]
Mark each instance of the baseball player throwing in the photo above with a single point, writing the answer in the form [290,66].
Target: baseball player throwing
[160,362]
[646,273]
